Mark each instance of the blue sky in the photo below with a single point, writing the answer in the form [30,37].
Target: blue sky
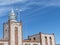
[36,15]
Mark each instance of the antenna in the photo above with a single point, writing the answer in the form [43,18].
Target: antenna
[19,11]
[20,14]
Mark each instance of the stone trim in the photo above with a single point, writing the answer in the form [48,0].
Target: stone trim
[30,41]
[4,40]
[1,43]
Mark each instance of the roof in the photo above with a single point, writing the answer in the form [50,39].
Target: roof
[2,40]
[41,33]
[30,41]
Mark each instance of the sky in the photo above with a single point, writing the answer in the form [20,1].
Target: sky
[36,16]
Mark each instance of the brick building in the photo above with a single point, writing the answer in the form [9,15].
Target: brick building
[13,34]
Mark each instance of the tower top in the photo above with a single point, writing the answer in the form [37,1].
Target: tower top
[12,12]
[12,15]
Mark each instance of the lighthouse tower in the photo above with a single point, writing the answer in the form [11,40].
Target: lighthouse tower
[15,30]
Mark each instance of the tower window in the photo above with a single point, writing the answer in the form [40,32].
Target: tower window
[46,42]
[16,28]
[6,30]
[16,35]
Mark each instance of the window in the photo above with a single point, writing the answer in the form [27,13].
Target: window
[27,44]
[45,37]
[50,37]
[50,41]
[6,30]
[30,39]
[35,44]
[16,28]
[16,35]
[46,43]
[34,38]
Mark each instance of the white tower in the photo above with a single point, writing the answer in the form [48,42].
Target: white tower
[12,16]
[15,30]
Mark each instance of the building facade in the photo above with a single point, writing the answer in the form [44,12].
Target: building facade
[13,34]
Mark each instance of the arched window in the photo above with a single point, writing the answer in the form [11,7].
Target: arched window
[16,28]
[6,30]
[50,41]
[16,35]
[35,44]
[46,42]
[34,38]
[27,44]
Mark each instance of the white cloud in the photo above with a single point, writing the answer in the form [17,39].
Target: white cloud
[4,10]
[7,2]
[27,5]
[45,2]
